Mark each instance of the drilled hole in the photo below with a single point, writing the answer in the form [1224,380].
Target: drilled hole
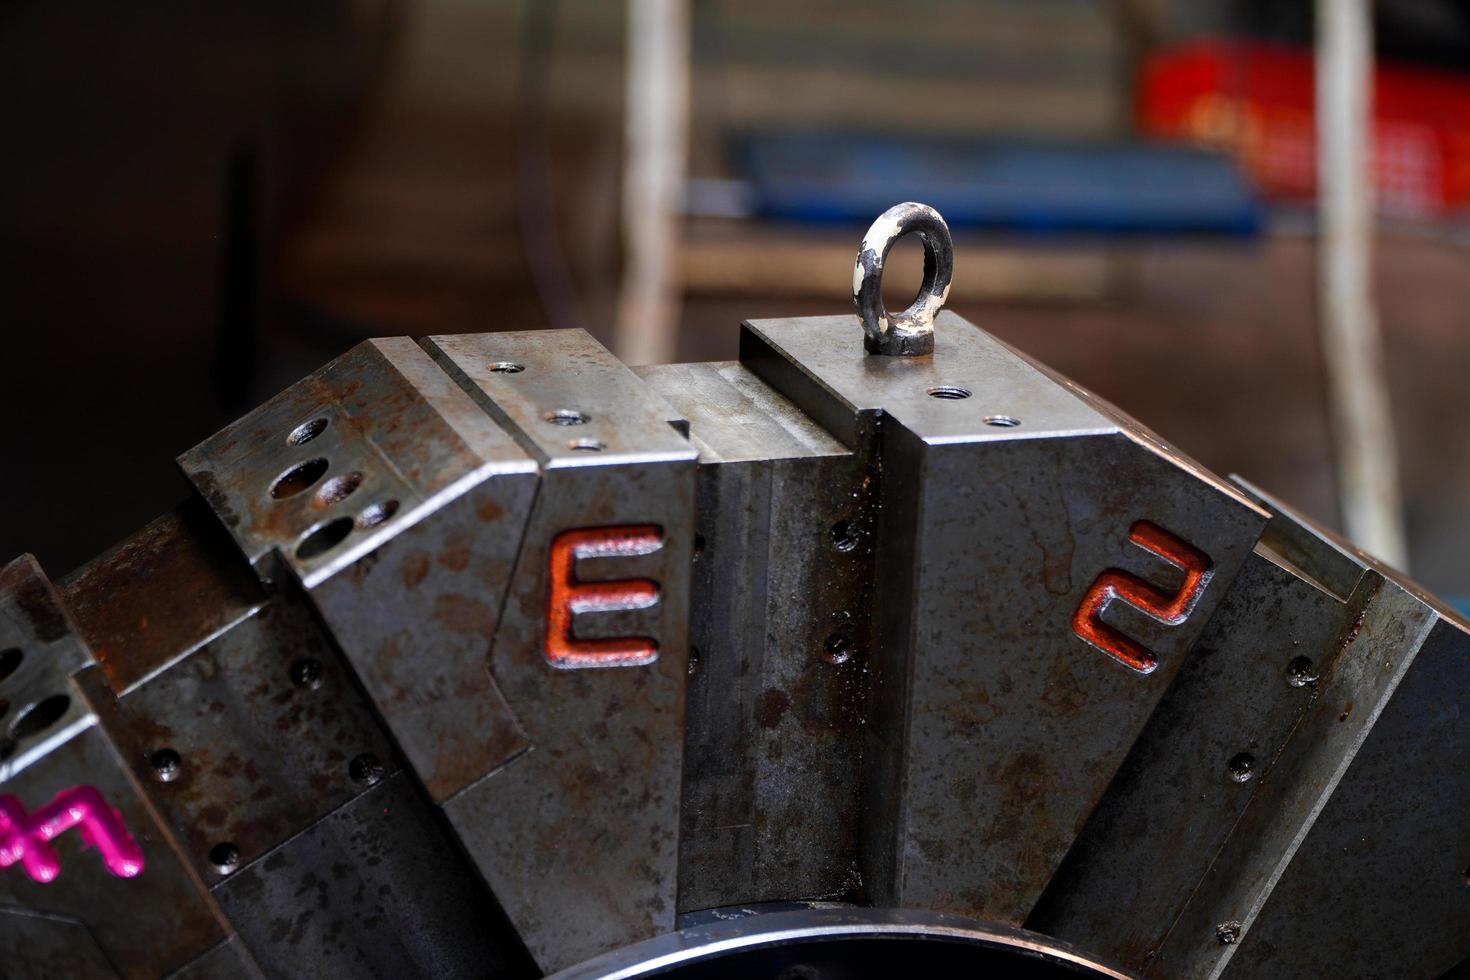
[324,538]
[375,514]
[587,445]
[1301,672]
[306,673]
[225,857]
[844,535]
[1002,421]
[566,416]
[298,478]
[507,367]
[166,765]
[40,716]
[306,431]
[1228,933]
[338,488]
[949,392]
[838,648]
[10,659]
[1242,767]
[365,769]
[698,545]
[694,658]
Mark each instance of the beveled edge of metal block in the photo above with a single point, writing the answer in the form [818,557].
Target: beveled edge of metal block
[1291,531]
[446,448]
[817,363]
[626,420]
[725,403]
[51,654]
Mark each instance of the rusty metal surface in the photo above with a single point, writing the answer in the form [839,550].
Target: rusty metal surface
[996,729]
[599,788]
[1391,846]
[375,889]
[416,619]
[159,594]
[227,961]
[258,750]
[49,947]
[1368,803]
[145,924]
[486,655]
[779,620]
[418,454]
[384,422]
[1175,800]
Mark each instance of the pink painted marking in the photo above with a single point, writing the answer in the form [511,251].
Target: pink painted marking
[27,837]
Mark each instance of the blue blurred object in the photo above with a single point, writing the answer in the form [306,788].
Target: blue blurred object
[1029,186]
[1462,606]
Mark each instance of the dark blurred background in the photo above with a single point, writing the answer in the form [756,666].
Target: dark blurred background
[202,202]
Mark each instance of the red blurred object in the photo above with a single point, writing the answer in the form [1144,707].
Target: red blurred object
[1255,100]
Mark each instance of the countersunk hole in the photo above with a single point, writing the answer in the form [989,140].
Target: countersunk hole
[306,431]
[507,367]
[587,445]
[225,857]
[10,659]
[306,673]
[324,537]
[1228,933]
[949,392]
[338,488]
[566,416]
[365,769]
[375,514]
[838,648]
[298,478]
[40,716]
[1301,672]
[1002,421]
[166,764]
[844,535]
[1242,767]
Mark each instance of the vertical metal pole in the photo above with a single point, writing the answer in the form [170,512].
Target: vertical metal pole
[653,178]
[1352,348]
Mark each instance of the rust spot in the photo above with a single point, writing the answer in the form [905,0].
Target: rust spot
[488,509]
[771,707]
[1347,709]
[1064,693]
[461,614]
[415,569]
[455,558]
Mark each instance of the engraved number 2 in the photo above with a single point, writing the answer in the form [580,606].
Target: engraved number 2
[1129,588]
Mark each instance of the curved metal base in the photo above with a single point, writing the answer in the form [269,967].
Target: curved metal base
[840,944]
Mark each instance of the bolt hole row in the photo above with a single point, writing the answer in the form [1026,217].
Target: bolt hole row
[365,769]
[956,393]
[304,475]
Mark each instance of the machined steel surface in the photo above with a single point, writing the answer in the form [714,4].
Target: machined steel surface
[876,649]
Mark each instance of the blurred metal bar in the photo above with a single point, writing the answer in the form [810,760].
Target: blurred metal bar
[1352,349]
[653,178]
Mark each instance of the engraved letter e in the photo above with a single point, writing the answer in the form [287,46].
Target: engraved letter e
[567,596]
